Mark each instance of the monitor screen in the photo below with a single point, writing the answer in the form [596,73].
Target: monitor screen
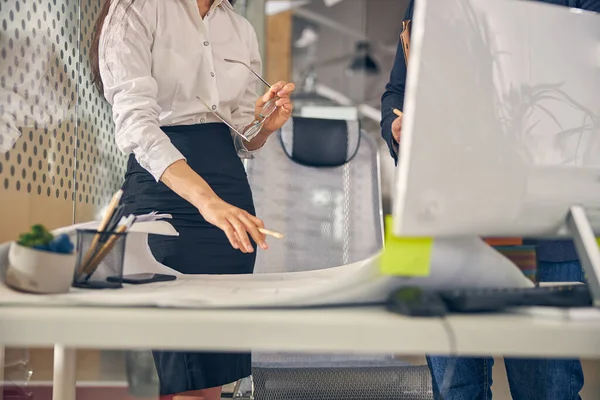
[501,130]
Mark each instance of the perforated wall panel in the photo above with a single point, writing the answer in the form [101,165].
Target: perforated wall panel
[58,160]
[38,96]
[102,165]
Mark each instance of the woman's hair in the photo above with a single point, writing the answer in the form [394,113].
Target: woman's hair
[95,46]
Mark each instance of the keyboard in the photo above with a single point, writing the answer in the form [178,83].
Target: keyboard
[487,300]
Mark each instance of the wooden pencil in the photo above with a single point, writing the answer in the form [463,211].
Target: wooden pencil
[90,268]
[114,203]
[271,233]
[397,112]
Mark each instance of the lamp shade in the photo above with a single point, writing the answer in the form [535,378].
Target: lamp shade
[362,62]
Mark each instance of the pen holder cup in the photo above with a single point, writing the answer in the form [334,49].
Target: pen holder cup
[99,260]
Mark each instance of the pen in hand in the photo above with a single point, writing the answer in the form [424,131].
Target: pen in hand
[274,234]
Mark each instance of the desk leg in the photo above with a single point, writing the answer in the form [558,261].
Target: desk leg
[65,368]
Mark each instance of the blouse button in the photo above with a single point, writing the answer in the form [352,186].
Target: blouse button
[206,43]
[212,74]
[202,120]
[214,108]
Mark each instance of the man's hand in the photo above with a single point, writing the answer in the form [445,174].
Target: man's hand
[397,128]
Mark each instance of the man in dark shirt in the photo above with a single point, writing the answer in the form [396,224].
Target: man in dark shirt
[557,262]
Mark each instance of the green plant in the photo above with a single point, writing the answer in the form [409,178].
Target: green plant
[41,238]
[38,236]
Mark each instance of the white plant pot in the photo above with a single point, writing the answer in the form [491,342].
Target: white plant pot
[39,271]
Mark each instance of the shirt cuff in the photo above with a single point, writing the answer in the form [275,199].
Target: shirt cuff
[242,150]
[159,158]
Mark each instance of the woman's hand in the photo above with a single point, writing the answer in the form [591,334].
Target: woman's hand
[235,222]
[282,90]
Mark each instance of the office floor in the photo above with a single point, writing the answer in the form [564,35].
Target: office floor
[102,376]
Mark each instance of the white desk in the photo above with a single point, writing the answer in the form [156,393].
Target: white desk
[366,330]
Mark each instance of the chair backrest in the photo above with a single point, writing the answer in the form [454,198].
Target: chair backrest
[317,181]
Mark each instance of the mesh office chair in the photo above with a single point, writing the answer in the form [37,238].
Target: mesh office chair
[317,181]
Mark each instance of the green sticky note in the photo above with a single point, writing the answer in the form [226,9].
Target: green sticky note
[404,256]
[598,241]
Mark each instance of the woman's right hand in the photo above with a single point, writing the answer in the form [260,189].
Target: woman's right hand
[235,222]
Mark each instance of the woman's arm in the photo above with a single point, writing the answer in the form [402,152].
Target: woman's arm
[250,106]
[125,60]
[125,57]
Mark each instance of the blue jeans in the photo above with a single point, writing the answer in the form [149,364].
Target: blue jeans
[536,379]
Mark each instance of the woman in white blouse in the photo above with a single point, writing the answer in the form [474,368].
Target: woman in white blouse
[177,105]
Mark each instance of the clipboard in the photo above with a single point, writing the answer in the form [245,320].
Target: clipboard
[405,38]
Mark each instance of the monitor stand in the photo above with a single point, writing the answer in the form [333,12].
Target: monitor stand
[587,249]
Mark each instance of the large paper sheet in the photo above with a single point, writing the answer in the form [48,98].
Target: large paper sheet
[455,263]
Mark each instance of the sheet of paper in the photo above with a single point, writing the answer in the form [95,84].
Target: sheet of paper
[455,263]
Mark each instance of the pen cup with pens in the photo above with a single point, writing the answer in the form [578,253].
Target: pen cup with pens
[100,257]
[101,252]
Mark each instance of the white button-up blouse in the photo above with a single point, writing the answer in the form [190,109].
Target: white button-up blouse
[158,56]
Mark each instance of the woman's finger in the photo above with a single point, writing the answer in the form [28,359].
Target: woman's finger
[286,90]
[240,229]
[283,101]
[257,221]
[252,229]
[267,96]
[288,107]
[272,92]
[277,87]
[230,233]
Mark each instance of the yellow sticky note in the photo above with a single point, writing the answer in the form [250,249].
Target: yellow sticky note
[405,256]
[598,241]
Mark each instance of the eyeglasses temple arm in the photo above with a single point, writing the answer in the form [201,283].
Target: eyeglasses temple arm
[251,70]
[223,120]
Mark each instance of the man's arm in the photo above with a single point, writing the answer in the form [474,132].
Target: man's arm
[393,97]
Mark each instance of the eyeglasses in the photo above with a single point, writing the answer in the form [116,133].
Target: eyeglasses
[266,111]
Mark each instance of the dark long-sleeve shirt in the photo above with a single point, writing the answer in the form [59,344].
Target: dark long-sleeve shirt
[393,97]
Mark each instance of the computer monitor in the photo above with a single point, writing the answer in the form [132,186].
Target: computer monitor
[501,128]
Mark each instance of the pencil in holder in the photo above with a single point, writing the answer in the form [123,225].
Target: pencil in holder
[100,257]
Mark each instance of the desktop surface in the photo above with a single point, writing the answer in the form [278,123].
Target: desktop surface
[367,330]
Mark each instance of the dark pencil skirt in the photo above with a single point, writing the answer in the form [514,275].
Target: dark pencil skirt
[200,248]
